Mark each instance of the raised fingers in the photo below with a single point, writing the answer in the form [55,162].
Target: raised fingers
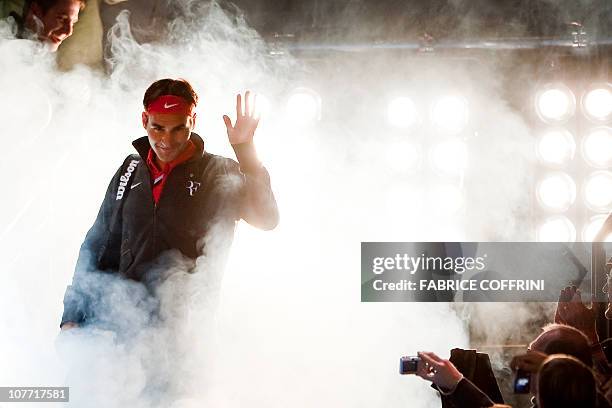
[247,103]
[565,295]
[239,105]
[228,123]
[529,361]
[430,359]
[254,110]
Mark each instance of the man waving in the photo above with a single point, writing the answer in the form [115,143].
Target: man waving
[170,195]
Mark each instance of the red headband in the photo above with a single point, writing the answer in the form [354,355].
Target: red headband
[170,104]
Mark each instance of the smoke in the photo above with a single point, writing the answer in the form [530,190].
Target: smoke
[281,323]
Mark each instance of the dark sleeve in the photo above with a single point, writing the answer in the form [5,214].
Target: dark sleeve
[258,206]
[77,298]
[467,395]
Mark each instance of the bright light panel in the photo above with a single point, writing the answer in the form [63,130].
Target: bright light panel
[597,104]
[262,104]
[555,104]
[450,114]
[557,229]
[556,192]
[592,228]
[598,191]
[304,106]
[556,147]
[597,147]
[402,113]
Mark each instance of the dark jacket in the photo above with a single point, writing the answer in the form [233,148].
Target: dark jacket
[131,232]
[479,387]
[467,395]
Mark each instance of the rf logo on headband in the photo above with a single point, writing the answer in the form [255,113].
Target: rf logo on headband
[192,187]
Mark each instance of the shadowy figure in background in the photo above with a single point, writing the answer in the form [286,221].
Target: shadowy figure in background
[558,381]
[169,200]
[565,382]
[91,43]
[49,21]
[459,391]
[572,312]
[560,339]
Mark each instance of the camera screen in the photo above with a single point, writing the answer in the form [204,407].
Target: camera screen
[521,383]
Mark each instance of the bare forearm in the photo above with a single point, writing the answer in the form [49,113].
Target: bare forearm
[247,157]
[259,205]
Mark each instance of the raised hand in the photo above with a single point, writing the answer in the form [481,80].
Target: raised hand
[246,122]
[571,311]
[530,361]
[441,372]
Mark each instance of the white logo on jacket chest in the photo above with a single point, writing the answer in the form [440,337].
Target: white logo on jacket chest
[192,187]
[123,180]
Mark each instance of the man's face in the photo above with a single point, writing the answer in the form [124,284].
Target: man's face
[168,133]
[57,23]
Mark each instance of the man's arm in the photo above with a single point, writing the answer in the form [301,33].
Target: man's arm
[571,311]
[448,380]
[258,205]
[77,298]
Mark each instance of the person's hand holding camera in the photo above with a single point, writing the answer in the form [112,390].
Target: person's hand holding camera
[530,361]
[571,311]
[441,372]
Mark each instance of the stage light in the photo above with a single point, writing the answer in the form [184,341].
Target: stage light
[598,191]
[597,103]
[556,147]
[450,158]
[597,147]
[304,106]
[556,192]
[262,105]
[402,113]
[557,229]
[450,114]
[593,227]
[555,104]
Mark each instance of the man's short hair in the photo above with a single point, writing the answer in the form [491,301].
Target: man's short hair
[167,86]
[45,5]
[563,339]
[563,381]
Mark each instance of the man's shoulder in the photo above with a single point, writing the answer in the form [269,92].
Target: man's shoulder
[134,157]
[129,164]
[219,163]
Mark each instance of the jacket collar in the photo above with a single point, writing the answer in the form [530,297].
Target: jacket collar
[142,146]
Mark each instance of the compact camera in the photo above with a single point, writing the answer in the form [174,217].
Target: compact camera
[409,364]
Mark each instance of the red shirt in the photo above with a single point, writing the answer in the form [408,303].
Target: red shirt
[159,176]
